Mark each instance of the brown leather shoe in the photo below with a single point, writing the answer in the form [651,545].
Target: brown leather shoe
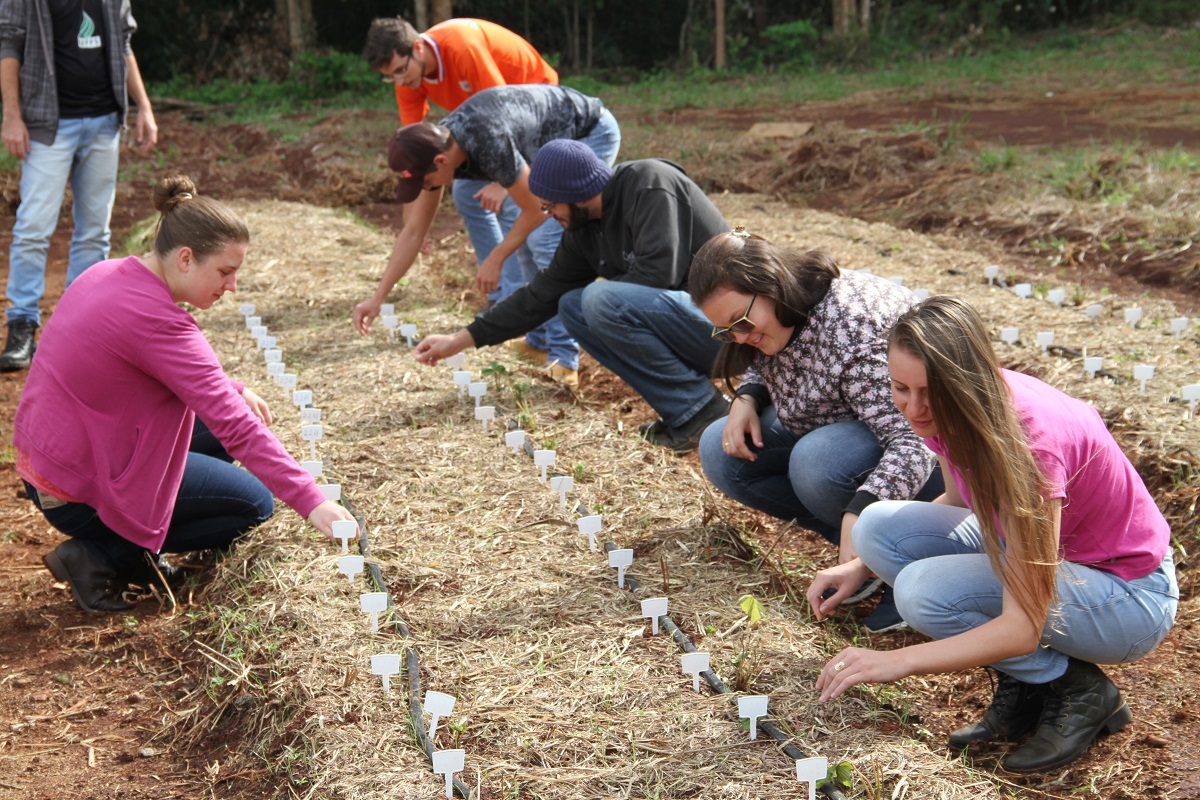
[96,588]
[564,375]
[523,349]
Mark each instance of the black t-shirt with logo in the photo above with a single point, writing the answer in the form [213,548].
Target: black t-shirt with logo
[80,59]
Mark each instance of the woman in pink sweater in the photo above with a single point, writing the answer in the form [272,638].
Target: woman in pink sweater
[128,425]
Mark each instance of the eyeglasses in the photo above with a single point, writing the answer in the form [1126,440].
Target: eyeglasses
[547,209]
[395,75]
[743,325]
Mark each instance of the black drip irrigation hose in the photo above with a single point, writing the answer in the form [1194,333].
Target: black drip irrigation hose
[711,678]
[412,665]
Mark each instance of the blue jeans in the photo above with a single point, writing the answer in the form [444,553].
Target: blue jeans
[810,479]
[485,231]
[933,556]
[655,340]
[539,248]
[86,152]
[217,502]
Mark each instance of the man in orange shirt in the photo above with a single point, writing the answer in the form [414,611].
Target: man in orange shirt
[447,64]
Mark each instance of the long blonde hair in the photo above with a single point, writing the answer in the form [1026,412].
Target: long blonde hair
[986,442]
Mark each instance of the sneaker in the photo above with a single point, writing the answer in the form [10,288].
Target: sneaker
[886,617]
[523,349]
[686,437]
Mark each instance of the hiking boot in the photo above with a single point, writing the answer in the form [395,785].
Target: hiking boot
[564,375]
[1016,707]
[523,349]
[18,349]
[686,437]
[1077,708]
[96,587]
[886,617]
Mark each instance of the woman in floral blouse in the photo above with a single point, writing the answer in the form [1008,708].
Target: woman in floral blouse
[812,435]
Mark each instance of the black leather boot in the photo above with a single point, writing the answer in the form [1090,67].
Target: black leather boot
[18,349]
[97,588]
[1015,709]
[1079,706]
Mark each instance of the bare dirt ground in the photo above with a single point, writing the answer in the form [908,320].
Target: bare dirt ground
[82,697]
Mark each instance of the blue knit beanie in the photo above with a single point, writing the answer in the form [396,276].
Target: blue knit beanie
[567,171]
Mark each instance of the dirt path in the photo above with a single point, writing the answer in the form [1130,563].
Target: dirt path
[80,697]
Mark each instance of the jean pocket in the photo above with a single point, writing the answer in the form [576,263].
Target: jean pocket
[1143,646]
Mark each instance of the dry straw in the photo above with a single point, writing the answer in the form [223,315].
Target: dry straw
[561,692]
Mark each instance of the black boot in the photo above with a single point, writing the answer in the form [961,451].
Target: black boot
[18,350]
[97,588]
[686,437]
[1015,709]
[1079,706]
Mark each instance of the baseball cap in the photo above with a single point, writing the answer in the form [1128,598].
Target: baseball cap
[410,153]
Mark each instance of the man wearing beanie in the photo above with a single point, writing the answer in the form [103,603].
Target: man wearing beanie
[636,226]
[494,136]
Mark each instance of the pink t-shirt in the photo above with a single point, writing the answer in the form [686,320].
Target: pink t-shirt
[1109,520]
[108,406]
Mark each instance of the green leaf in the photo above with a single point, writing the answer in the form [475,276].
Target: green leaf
[751,608]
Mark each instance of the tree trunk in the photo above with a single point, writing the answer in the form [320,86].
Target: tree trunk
[591,28]
[296,24]
[864,17]
[719,35]
[844,12]
[442,11]
[421,14]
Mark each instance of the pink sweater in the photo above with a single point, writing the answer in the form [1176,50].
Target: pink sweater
[108,406]
[1109,519]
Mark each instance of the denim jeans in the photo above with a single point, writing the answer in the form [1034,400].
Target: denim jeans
[539,248]
[217,502]
[933,556]
[810,479]
[655,340]
[486,232]
[86,152]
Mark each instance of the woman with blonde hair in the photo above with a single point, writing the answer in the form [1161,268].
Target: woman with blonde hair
[812,434]
[128,425]
[1045,557]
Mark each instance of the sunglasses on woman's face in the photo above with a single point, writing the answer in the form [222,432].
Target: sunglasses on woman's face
[743,326]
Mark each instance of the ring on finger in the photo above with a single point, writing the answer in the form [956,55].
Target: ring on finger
[839,666]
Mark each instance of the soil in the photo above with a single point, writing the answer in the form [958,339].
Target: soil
[81,697]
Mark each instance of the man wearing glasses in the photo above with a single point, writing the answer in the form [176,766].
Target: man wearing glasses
[637,227]
[447,64]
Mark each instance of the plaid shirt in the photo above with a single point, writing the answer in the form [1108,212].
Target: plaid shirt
[26,35]
[835,369]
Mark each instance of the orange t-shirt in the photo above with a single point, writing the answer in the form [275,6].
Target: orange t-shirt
[472,55]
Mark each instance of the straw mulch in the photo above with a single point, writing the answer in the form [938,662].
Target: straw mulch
[561,690]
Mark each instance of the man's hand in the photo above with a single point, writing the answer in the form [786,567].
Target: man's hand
[146,135]
[16,137]
[365,313]
[488,277]
[491,197]
[433,349]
